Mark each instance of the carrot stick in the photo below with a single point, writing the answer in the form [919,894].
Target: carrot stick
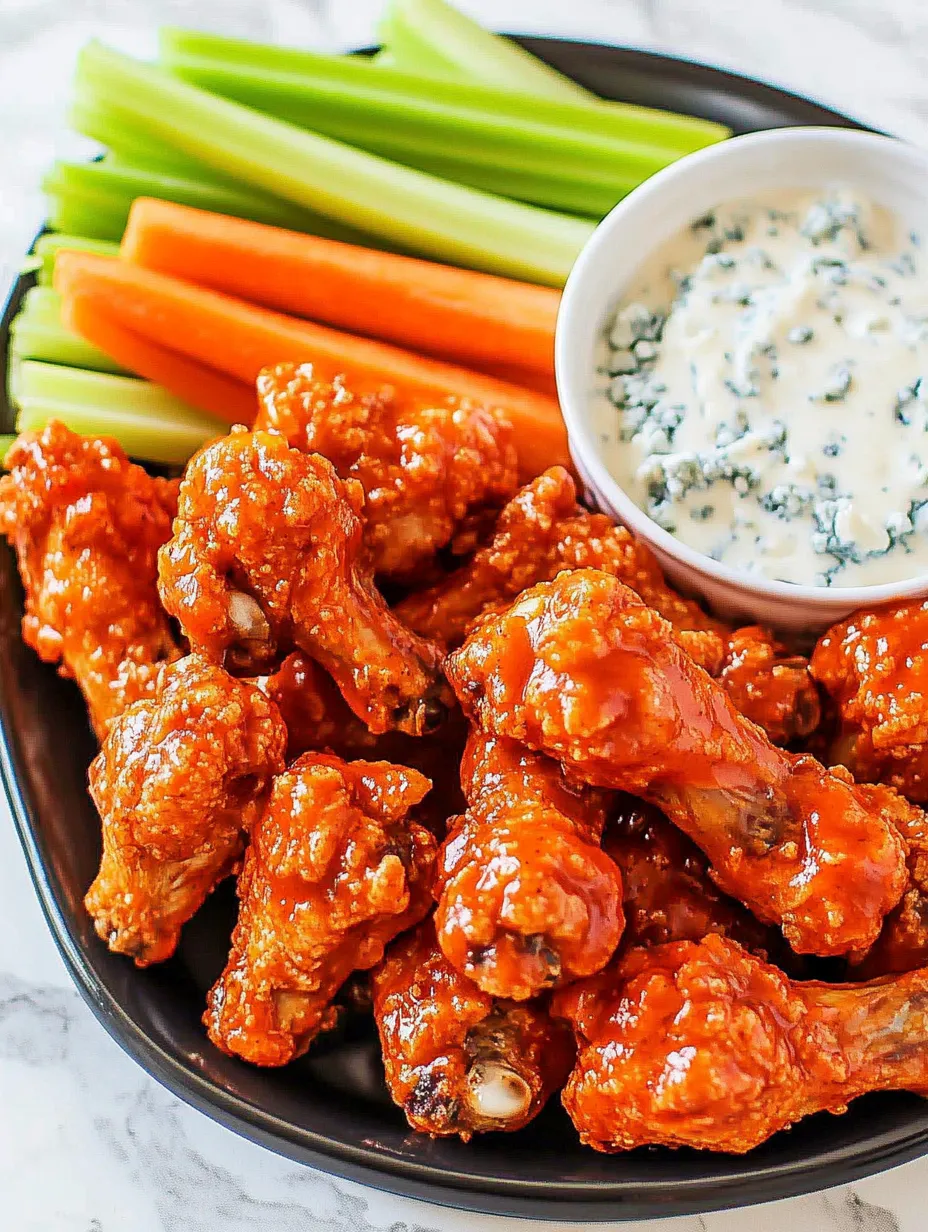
[239,340]
[467,317]
[232,401]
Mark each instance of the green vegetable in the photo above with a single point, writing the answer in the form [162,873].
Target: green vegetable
[36,332]
[112,187]
[396,204]
[6,443]
[148,422]
[433,36]
[46,247]
[525,157]
[354,91]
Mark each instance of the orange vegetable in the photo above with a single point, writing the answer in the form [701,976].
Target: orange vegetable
[466,317]
[230,400]
[239,339]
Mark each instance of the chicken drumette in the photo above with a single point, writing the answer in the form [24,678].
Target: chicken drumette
[903,941]
[457,1060]
[704,1045]
[527,899]
[87,525]
[178,782]
[875,667]
[427,468]
[335,871]
[580,669]
[669,895]
[315,713]
[543,530]
[267,556]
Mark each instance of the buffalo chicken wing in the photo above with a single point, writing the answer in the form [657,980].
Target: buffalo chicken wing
[334,872]
[427,468]
[178,782]
[526,897]
[704,1045]
[903,941]
[581,670]
[87,525]
[669,895]
[457,1060]
[543,530]
[875,668]
[267,557]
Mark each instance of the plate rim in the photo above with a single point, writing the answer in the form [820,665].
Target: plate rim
[584,1200]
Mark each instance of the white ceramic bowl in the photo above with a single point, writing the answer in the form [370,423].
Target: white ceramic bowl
[888,171]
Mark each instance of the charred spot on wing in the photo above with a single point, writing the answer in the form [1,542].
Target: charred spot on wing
[431,1101]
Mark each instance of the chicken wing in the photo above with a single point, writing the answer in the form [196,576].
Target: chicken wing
[543,530]
[875,667]
[903,941]
[315,713]
[669,895]
[427,468]
[267,557]
[457,1060]
[581,670]
[178,782]
[334,872]
[318,719]
[87,525]
[704,1045]
[526,897]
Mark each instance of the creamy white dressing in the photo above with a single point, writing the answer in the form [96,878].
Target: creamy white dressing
[762,392]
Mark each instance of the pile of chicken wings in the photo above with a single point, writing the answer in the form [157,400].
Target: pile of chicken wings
[462,736]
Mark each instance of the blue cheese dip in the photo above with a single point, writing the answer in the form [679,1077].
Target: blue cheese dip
[762,392]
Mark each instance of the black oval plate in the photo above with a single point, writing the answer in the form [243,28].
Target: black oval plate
[331,1109]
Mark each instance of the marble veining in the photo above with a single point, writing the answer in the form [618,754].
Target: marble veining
[88,1143]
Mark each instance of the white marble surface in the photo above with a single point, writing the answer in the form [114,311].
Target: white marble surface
[87,1142]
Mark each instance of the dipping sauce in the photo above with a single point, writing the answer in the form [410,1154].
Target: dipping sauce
[762,392]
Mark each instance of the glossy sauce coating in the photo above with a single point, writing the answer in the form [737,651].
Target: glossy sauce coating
[704,1045]
[267,556]
[178,783]
[875,667]
[87,525]
[581,670]
[543,530]
[903,941]
[315,713]
[457,1060]
[426,468]
[526,897]
[334,872]
[669,895]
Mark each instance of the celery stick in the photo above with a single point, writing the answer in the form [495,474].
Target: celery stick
[146,438]
[41,304]
[433,32]
[147,421]
[57,346]
[98,217]
[258,71]
[56,383]
[124,183]
[574,180]
[415,210]
[47,246]
[130,147]
[36,332]
[370,117]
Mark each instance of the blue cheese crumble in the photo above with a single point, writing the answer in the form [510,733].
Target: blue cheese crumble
[762,392]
